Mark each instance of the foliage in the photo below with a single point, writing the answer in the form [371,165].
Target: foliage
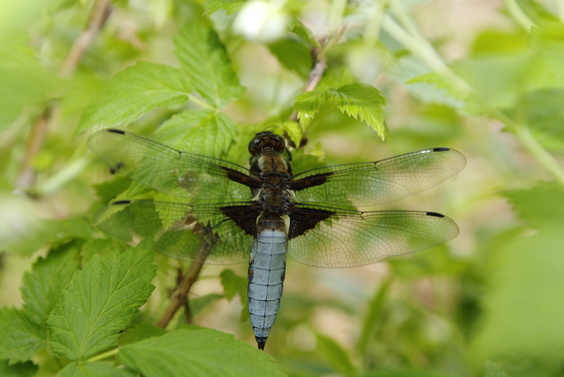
[198,76]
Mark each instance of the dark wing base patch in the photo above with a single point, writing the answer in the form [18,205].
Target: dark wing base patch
[303,219]
[244,216]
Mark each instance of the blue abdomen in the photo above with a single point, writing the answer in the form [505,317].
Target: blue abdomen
[266,276]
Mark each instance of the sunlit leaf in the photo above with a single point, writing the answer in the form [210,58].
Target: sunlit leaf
[362,101]
[547,57]
[540,206]
[545,117]
[297,27]
[294,131]
[500,41]
[198,131]
[136,91]
[229,6]
[307,105]
[204,61]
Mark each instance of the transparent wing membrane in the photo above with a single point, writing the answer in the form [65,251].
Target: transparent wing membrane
[206,205]
[354,238]
[178,230]
[374,183]
[166,169]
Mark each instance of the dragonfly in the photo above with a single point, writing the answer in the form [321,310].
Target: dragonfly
[208,210]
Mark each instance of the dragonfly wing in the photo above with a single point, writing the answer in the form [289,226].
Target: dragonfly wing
[171,171]
[348,238]
[374,183]
[192,232]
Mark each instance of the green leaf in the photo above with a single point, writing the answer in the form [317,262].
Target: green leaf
[545,116]
[198,131]
[362,101]
[229,6]
[139,332]
[27,369]
[50,232]
[293,54]
[335,355]
[94,248]
[356,100]
[436,88]
[102,300]
[307,105]
[202,352]
[204,61]
[42,286]
[404,373]
[495,79]
[492,369]
[373,320]
[24,81]
[21,338]
[294,131]
[298,28]
[233,284]
[524,271]
[540,206]
[546,58]
[108,190]
[134,92]
[94,369]
[201,302]
[497,41]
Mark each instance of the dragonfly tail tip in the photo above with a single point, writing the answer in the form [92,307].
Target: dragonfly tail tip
[261,342]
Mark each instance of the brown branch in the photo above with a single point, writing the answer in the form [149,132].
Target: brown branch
[319,65]
[98,17]
[27,173]
[180,295]
[317,69]
[315,75]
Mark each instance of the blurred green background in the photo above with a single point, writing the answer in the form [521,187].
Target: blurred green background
[483,77]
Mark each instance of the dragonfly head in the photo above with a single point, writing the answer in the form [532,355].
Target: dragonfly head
[266,141]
